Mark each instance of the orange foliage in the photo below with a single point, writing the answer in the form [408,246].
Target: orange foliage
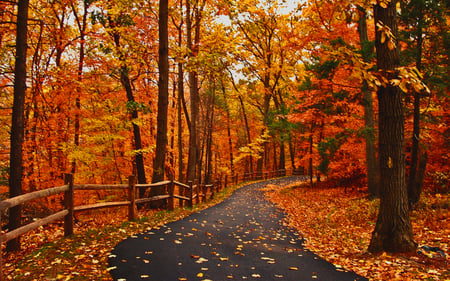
[338,227]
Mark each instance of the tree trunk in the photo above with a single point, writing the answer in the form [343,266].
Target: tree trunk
[230,142]
[291,152]
[82,24]
[17,121]
[393,230]
[210,129]
[194,107]
[163,101]
[373,176]
[282,164]
[139,157]
[247,129]
[311,173]
[415,187]
[126,83]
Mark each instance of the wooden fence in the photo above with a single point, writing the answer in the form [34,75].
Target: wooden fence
[191,193]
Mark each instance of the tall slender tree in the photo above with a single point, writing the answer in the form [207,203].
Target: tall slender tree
[81,21]
[371,158]
[17,121]
[163,97]
[193,20]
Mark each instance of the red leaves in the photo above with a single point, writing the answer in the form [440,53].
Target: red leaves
[338,226]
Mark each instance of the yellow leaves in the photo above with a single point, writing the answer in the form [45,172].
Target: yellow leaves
[63,277]
[386,35]
[383,3]
[409,76]
[390,165]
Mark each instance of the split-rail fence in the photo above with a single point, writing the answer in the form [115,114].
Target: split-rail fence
[191,193]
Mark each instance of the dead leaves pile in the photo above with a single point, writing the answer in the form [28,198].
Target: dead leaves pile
[338,227]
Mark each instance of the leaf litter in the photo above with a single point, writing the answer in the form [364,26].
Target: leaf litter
[338,227]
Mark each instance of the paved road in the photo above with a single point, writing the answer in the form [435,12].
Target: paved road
[242,238]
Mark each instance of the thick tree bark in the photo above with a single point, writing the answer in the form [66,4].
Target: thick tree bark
[373,175]
[163,102]
[17,121]
[393,230]
[163,94]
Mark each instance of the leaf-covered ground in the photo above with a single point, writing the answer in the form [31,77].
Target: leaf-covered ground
[47,255]
[338,226]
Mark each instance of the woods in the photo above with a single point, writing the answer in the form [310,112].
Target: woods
[354,92]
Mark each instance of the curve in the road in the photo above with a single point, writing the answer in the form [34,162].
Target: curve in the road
[242,238]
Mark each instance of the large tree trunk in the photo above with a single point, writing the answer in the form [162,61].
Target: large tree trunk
[17,121]
[373,176]
[393,230]
[163,101]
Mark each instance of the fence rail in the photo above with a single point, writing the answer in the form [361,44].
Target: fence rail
[191,193]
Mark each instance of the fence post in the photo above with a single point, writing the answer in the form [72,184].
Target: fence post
[171,190]
[205,188]
[213,189]
[68,204]
[132,197]
[195,190]
[190,194]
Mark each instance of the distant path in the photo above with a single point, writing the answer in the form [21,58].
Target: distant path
[241,238]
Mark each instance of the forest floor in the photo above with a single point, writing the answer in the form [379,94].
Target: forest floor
[336,225]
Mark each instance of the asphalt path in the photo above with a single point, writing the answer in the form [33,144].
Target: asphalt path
[242,238]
